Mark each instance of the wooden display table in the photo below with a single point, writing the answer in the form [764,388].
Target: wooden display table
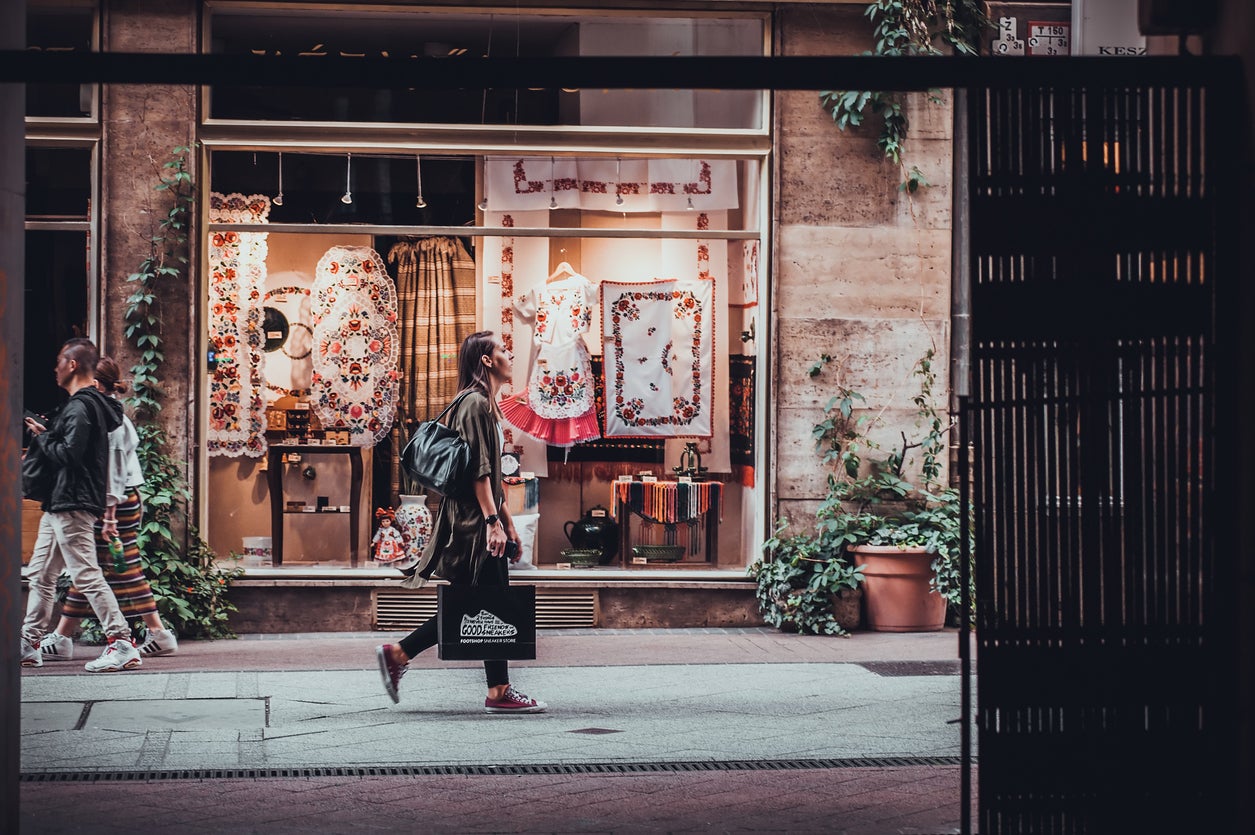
[670,504]
[274,478]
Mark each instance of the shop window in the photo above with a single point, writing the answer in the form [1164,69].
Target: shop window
[58,183]
[58,265]
[60,27]
[317,32]
[601,228]
[56,310]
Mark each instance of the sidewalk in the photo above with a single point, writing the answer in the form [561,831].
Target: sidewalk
[648,730]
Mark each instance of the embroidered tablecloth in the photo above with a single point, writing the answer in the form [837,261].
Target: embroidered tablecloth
[659,350]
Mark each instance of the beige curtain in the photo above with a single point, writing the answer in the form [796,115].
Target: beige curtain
[435,311]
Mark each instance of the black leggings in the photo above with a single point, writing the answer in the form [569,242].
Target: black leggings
[494,573]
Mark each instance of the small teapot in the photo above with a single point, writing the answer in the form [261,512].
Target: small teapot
[595,529]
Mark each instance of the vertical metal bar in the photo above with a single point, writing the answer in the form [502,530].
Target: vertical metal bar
[965,622]
[961,257]
[12,320]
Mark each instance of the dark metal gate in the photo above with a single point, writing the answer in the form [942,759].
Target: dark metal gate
[1098,425]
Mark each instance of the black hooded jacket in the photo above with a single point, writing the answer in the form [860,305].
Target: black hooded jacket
[77,445]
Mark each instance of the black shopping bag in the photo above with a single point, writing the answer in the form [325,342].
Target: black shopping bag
[477,623]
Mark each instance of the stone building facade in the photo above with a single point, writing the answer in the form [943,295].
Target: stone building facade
[851,266]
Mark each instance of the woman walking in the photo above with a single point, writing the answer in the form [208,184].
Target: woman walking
[468,542]
[123,513]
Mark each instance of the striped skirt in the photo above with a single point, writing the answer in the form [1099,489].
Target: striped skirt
[135,597]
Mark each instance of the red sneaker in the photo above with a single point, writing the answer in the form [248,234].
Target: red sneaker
[513,702]
[390,670]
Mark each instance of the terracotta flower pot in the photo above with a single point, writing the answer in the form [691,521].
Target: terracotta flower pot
[895,586]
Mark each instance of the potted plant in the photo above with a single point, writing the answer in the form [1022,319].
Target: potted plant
[891,517]
[803,587]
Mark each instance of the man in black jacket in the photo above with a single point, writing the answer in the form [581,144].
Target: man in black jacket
[77,448]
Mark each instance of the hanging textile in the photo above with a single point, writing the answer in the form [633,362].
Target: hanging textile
[237,380]
[558,405]
[436,311]
[633,451]
[741,413]
[518,183]
[668,502]
[356,348]
[659,358]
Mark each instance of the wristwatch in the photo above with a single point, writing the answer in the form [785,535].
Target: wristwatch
[491,520]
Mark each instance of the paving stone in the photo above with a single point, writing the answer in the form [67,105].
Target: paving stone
[179,714]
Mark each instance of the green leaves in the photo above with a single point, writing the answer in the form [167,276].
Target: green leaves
[906,28]
[872,498]
[191,590]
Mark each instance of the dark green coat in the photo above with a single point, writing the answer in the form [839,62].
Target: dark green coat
[459,539]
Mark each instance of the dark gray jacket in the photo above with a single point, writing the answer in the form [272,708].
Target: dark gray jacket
[77,445]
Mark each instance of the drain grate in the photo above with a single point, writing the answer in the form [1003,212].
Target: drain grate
[949,667]
[485,770]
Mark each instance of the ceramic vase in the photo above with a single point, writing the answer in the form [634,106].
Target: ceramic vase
[414,522]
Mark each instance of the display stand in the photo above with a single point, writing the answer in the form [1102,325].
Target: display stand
[274,479]
[668,503]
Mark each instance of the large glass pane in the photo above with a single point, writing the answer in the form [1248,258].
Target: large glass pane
[383,189]
[56,28]
[56,310]
[58,183]
[450,36]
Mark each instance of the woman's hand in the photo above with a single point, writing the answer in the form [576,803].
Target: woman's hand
[513,535]
[109,527]
[496,539]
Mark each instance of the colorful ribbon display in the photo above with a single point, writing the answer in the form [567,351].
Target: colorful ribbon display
[668,502]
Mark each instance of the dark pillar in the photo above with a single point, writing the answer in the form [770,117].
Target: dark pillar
[12,287]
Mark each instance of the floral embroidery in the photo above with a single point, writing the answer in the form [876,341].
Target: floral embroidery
[237,272]
[507,283]
[355,375]
[667,396]
[558,385]
[522,185]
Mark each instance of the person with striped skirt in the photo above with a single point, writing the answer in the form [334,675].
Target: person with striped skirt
[124,512]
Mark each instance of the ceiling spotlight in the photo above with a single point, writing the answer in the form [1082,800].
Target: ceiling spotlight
[419,202]
[348,176]
[278,201]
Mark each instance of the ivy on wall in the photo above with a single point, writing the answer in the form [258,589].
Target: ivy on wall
[190,588]
[907,28]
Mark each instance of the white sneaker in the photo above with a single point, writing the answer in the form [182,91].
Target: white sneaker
[121,654]
[56,647]
[31,656]
[159,642]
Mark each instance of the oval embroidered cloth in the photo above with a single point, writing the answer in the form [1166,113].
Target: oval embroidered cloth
[356,345]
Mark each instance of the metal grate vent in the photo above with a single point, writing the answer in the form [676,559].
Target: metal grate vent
[506,770]
[396,610]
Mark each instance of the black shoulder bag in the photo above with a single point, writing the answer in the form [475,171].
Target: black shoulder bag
[38,473]
[437,457]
